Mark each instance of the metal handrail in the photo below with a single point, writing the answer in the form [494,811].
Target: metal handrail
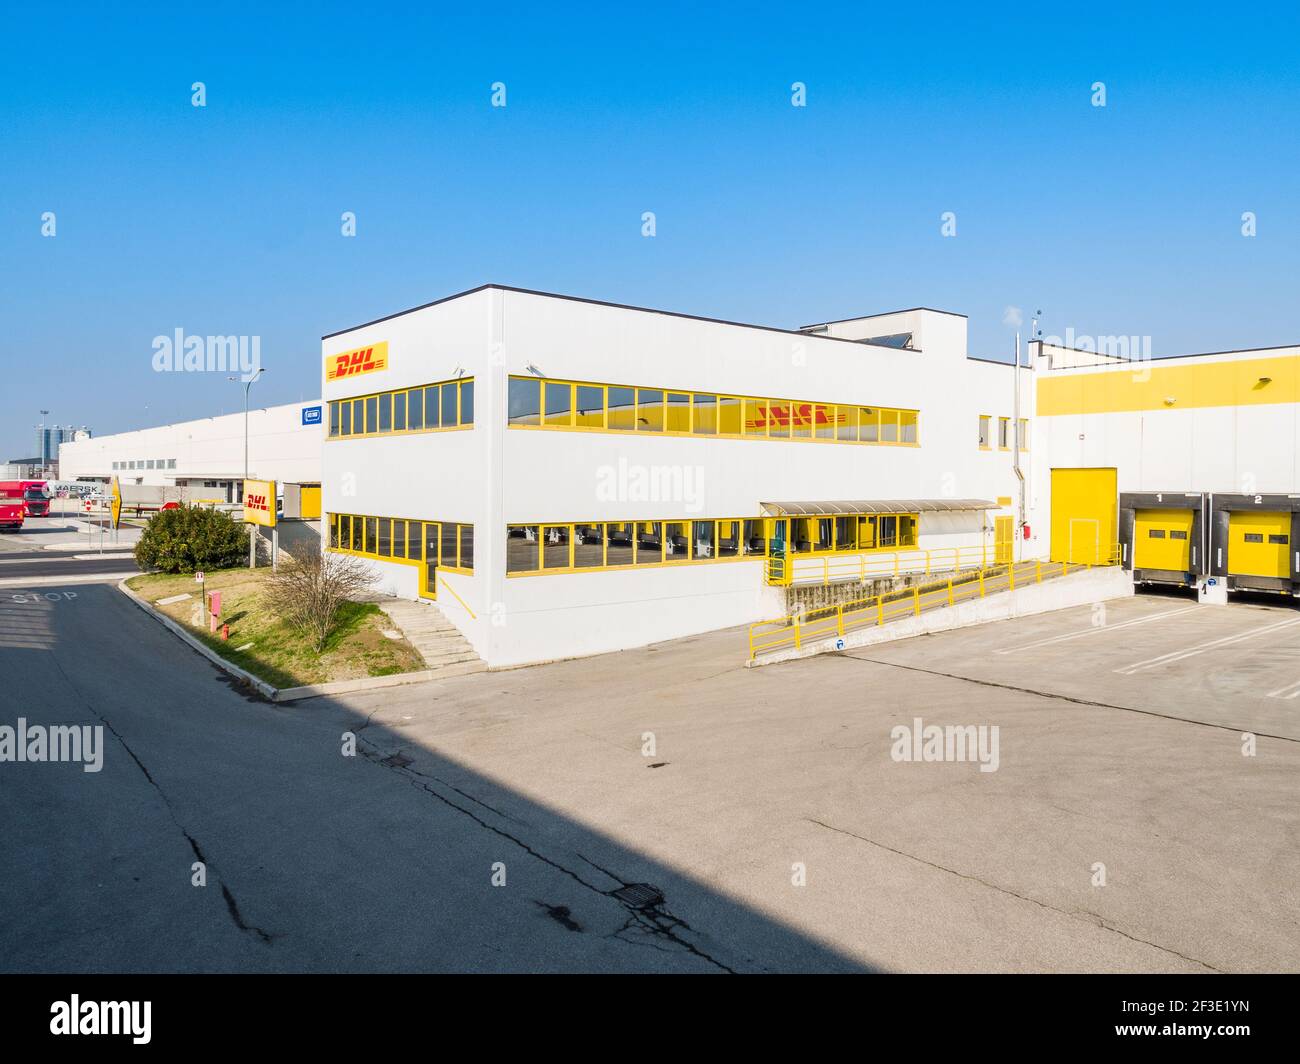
[439,577]
[864,565]
[826,621]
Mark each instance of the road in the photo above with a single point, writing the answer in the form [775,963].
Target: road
[315,861]
[1140,815]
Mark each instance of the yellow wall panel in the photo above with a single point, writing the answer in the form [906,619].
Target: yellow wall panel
[1147,386]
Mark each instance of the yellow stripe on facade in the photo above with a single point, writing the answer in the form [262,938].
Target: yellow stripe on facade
[1152,386]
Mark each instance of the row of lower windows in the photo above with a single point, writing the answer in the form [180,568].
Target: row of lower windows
[552,404]
[147,463]
[616,544]
[1004,433]
[446,405]
[447,544]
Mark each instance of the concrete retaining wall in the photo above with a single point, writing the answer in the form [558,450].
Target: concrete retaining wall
[811,597]
[1077,589]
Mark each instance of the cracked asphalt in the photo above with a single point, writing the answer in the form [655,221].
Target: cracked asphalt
[775,828]
[314,861]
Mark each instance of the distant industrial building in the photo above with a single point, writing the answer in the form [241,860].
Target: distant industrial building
[50,437]
[284,444]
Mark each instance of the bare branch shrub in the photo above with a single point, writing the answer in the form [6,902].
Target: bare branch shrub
[309,590]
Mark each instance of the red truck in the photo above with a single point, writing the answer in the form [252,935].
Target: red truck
[36,502]
[11,511]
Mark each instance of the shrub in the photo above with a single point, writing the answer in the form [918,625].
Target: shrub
[311,589]
[190,538]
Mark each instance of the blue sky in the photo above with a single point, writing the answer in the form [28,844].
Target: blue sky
[226,219]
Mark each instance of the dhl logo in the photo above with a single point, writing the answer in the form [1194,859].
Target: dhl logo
[797,415]
[369,359]
[257,502]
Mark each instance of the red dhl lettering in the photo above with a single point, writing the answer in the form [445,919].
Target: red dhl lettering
[802,414]
[256,502]
[355,362]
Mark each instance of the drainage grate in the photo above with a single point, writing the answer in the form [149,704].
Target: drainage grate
[639,895]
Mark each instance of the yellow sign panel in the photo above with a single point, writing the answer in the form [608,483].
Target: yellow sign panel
[358,362]
[116,504]
[259,502]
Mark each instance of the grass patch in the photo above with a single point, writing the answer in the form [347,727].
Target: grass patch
[280,655]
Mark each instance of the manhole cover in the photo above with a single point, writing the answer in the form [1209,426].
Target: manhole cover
[639,895]
[397,760]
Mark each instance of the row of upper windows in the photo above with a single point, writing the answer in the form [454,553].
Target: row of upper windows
[1004,433]
[445,544]
[553,548]
[445,405]
[555,404]
[147,463]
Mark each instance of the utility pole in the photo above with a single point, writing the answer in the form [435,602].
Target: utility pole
[44,445]
[252,531]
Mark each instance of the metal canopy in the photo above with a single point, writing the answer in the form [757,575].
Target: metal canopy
[875,506]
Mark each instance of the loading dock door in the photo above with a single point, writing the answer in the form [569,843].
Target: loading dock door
[1084,515]
[1259,544]
[1162,539]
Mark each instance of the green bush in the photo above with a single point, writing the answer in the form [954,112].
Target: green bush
[190,538]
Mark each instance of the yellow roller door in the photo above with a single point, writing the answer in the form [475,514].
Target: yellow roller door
[1259,544]
[1162,539]
[1084,505]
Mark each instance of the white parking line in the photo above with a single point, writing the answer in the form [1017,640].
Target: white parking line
[1201,648]
[1093,631]
[1291,690]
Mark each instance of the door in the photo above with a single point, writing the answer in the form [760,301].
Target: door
[1004,533]
[432,531]
[1084,511]
[1259,544]
[309,502]
[1162,539]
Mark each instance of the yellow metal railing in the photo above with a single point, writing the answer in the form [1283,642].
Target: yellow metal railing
[829,622]
[836,568]
[439,578]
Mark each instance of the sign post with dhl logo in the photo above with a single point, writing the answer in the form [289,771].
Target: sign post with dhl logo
[259,502]
[357,362]
[259,509]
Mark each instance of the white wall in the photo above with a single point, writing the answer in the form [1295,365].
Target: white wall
[280,448]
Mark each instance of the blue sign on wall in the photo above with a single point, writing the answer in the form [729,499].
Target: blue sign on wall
[311,415]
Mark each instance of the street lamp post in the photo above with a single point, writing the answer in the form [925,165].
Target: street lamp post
[44,445]
[252,532]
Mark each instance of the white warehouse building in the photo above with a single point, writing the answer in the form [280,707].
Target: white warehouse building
[565,477]
[206,455]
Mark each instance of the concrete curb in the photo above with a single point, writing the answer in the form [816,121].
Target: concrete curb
[278,694]
[367,683]
[261,686]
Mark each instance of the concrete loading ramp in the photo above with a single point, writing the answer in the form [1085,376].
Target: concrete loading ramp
[965,599]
